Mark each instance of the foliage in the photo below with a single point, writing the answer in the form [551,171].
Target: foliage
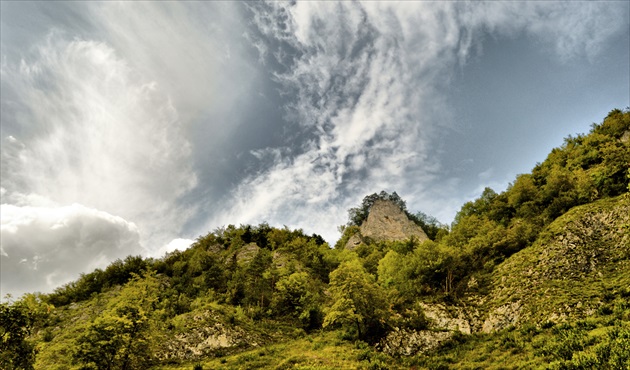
[122,336]
[434,229]
[586,168]
[117,273]
[16,323]
[296,296]
[282,283]
[357,301]
[347,232]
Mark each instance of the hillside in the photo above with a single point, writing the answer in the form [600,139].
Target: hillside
[578,264]
[533,277]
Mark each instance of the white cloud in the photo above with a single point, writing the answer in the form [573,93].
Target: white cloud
[99,112]
[44,247]
[193,50]
[174,245]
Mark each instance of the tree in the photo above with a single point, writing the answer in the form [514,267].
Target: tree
[16,323]
[115,340]
[123,337]
[357,301]
[296,296]
[429,224]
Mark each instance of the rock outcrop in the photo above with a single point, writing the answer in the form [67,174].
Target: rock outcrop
[386,221]
[405,342]
[452,318]
[202,335]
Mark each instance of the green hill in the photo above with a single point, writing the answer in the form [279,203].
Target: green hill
[533,277]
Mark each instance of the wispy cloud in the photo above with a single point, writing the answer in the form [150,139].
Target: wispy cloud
[368,82]
[94,131]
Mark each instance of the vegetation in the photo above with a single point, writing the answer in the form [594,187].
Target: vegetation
[266,297]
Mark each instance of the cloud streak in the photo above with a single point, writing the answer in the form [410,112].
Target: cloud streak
[97,133]
[368,82]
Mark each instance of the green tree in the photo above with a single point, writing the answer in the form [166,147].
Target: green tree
[124,336]
[431,226]
[357,301]
[16,324]
[296,296]
[115,340]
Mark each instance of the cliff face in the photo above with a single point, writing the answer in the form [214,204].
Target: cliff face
[386,221]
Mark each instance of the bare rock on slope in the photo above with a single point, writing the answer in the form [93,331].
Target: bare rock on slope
[386,221]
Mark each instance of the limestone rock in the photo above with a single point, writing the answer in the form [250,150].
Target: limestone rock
[386,221]
[353,242]
[448,318]
[503,317]
[403,342]
[246,253]
[586,244]
[205,334]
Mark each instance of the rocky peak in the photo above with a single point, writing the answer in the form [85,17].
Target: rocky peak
[386,221]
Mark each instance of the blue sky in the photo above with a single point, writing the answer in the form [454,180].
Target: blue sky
[135,127]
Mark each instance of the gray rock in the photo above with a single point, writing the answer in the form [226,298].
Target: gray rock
[386,221]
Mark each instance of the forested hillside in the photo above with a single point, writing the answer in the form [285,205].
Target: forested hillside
[533,277]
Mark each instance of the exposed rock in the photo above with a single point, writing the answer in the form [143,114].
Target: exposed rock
[503,317]
[204,334]
[247,252]
[402,342]
[280,260]
[448,318]
[353,242]
[386,221]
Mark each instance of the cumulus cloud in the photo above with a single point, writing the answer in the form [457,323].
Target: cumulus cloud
[368,81]
[45,247]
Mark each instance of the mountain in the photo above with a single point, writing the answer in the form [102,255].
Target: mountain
[532,277]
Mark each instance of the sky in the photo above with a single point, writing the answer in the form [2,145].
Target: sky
[132,128]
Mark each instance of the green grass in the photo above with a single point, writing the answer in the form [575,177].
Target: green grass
[319,351]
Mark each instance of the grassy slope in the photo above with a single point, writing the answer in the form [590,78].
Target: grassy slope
[577,262]
[326,350]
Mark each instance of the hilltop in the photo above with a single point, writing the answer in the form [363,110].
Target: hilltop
[385,221]
[532,277]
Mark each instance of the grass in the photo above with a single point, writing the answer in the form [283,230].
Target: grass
[321,351]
